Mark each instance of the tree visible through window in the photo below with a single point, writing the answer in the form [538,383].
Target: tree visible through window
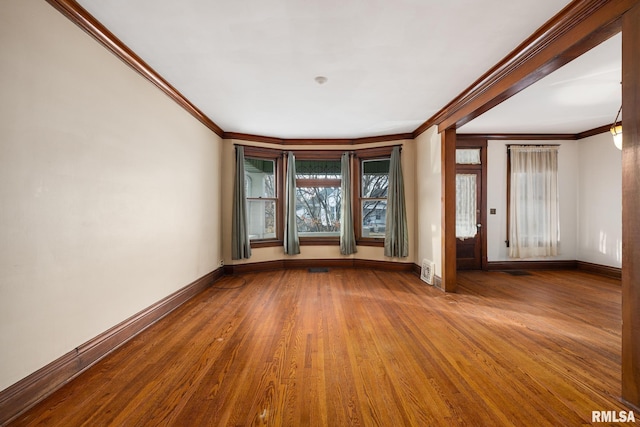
[318,197]
[374,186]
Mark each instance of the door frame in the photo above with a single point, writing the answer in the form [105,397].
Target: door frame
[481,143]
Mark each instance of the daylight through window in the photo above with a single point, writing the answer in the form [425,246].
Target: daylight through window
[373,202]
[260,186]
[318,197]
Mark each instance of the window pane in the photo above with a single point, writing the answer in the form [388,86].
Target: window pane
[318,169]
[375,178]
[374,216]
[260,179]
[468,156]
[318,210]
[262,219]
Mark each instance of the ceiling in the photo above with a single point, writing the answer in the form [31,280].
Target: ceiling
[250,66]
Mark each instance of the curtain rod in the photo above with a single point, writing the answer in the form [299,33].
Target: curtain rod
[315,148]
[532,145]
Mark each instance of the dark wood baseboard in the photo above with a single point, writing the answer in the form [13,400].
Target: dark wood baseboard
[437,282]
[416,269]
[383,265]
[253,267]
[314,263]
[603,270]
[24,394]
[532,265]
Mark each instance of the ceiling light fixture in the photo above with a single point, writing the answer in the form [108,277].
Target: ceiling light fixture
[616,131]
[321,80]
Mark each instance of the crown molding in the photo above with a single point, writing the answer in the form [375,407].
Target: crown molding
[252,138]
[596,131]
[82,18]
[580,26]
[518,136]
[316,142]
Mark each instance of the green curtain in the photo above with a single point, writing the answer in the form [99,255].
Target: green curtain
[396,238]
[291,241]
[240,245]
[347,235]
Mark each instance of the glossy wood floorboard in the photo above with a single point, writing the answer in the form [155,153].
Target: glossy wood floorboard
[364,348]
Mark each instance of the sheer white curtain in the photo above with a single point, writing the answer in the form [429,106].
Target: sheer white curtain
[534,224]
[466,205]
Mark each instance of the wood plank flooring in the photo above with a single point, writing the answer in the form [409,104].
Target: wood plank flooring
[363,348]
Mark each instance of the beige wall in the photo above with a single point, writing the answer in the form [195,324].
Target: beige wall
[317,252]
[109,191]
[428,198]
[599,201]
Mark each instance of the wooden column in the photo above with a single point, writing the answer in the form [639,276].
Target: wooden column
[631,206]
[448,161]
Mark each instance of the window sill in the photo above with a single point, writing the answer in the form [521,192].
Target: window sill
[304,241]
[370,242]
[265,243]
[319,241]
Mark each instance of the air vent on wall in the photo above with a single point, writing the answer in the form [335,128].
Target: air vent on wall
[426,274]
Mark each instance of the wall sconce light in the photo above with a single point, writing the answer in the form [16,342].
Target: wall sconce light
[616,131]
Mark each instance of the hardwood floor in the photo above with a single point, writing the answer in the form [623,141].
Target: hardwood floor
[363,347]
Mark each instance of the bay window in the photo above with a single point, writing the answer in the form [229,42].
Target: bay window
[318,195]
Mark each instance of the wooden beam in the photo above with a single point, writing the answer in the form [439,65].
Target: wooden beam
[580,26]
[448,146]
[519,136]
[631,206]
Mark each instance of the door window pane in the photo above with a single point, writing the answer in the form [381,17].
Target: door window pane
[466,205]
[468,156]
